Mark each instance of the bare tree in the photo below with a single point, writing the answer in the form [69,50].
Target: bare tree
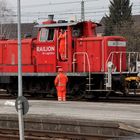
[5,16]
[5,12]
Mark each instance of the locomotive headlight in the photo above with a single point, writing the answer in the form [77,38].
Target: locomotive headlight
[110,64]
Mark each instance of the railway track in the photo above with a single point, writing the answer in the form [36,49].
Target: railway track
[134,100]
[13,134]
[111,99]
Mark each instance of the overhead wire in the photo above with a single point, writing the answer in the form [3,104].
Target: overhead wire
[88,11]
[77,11]
[53,4]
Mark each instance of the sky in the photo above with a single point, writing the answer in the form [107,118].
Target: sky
[38,10]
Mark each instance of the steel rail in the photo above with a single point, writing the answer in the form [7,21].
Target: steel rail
[115,99]
[13,134]
[110,99]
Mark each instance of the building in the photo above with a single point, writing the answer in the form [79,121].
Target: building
[9,31]
[100,29]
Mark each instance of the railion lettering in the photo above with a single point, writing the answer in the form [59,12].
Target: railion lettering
[45,49]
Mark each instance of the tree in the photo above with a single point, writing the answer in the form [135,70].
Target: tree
[5,12]
[5,16]
[119,13]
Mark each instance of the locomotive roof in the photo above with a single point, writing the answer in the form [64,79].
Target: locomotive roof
[57,25]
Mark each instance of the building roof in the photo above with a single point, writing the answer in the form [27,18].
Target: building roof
[136,19]
[100,29]
[10,30]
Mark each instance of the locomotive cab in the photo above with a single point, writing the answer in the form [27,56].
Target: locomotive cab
[49,37]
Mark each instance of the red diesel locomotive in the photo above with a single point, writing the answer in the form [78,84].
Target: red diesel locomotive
[94,64]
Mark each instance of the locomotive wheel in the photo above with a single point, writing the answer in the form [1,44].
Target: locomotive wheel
[80,94]
[92,96]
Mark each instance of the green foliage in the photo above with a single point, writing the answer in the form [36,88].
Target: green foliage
[119,22]
[119,13]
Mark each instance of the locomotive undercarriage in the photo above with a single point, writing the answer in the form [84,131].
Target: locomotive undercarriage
[120,86]
[78,87]
[43,86]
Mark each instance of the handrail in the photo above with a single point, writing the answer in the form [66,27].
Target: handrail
[129,54]
[66,47]
[89,69]
[57,53]
[120,61]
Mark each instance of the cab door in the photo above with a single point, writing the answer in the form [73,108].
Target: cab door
[45,51]
[66,63]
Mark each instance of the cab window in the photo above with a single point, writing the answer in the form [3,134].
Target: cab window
[51,34]
[76,32]
[46,34]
